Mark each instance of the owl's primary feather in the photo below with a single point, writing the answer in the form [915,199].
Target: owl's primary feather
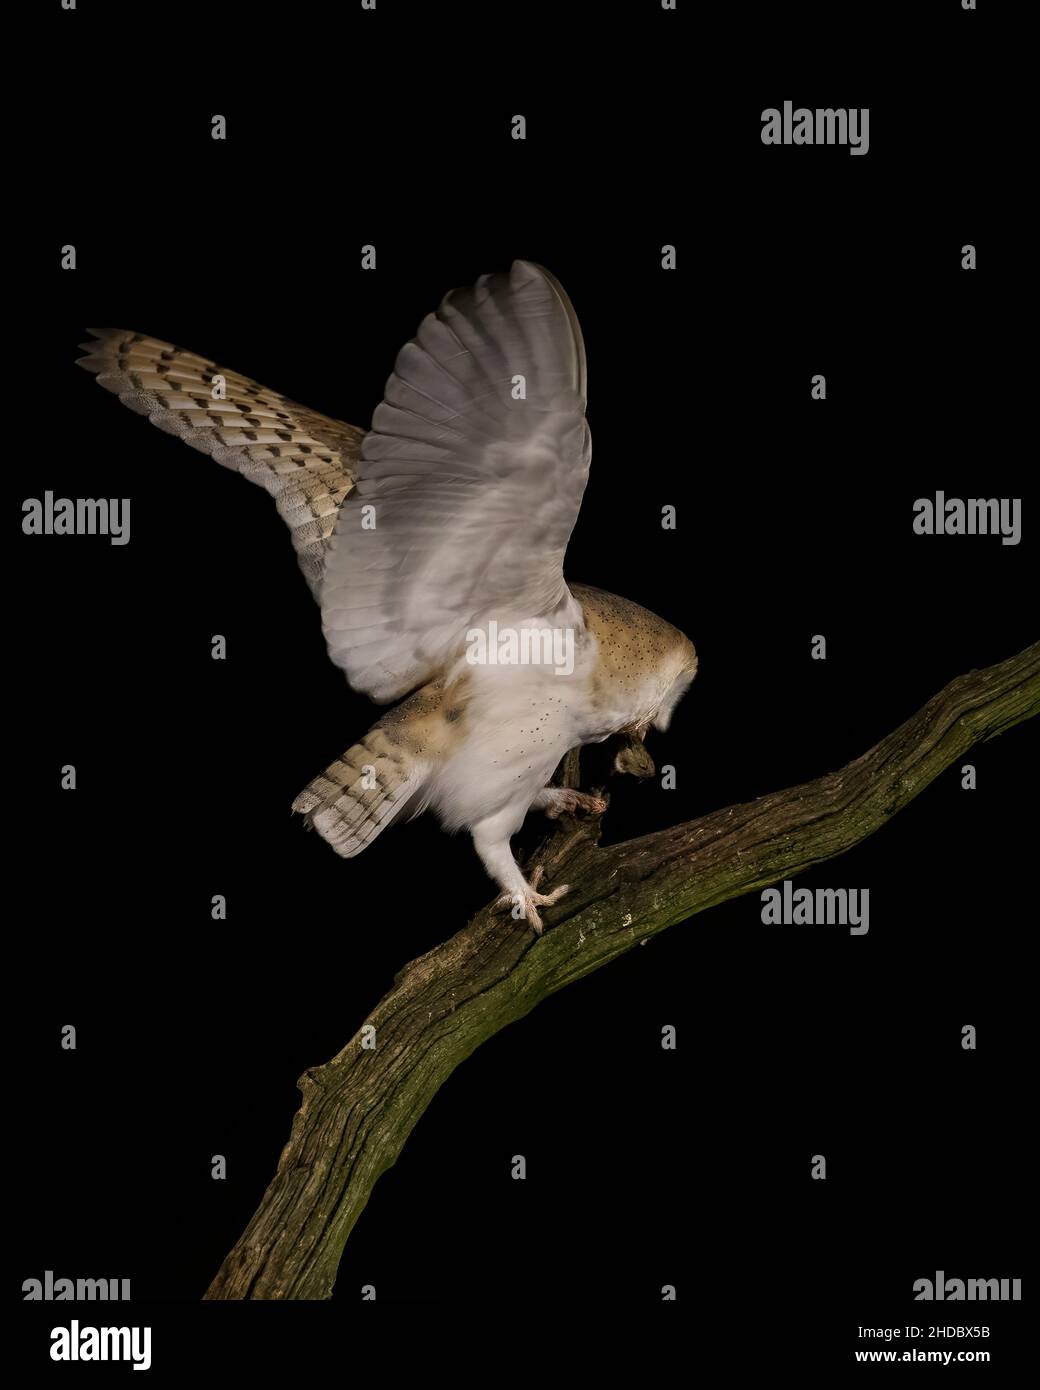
[444,524]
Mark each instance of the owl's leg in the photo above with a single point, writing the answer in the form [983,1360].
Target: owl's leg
[557,801]
[491,841]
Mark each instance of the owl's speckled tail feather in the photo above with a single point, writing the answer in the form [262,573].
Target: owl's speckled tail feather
[361,793]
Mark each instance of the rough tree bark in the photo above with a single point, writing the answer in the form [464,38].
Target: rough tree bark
[359,1108]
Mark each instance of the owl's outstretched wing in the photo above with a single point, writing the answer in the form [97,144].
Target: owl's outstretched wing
[470,484]
[305,460]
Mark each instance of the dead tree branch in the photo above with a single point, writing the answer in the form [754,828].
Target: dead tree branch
[359,1108]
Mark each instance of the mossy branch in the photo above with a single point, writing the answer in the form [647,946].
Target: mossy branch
[359,1108]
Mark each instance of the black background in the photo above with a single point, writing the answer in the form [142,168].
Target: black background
[645,1167]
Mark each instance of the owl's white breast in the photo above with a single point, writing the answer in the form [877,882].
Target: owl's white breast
[518,722]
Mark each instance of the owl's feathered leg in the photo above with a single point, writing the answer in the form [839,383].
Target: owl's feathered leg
[491,841]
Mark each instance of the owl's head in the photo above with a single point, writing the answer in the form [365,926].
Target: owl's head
[681,682]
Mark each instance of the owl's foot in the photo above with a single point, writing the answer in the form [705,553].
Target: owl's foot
[527,902]
[559,801]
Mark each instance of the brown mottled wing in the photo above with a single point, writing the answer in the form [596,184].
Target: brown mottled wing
[307,462]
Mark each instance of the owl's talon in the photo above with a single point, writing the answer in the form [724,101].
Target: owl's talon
[530,900]
[547,899]
[566,801]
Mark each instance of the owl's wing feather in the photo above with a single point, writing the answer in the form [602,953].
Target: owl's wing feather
[470,484]
[305,460]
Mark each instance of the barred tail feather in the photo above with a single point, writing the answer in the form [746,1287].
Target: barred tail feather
[361,793]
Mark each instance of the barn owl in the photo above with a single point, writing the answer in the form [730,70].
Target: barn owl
[434,544]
